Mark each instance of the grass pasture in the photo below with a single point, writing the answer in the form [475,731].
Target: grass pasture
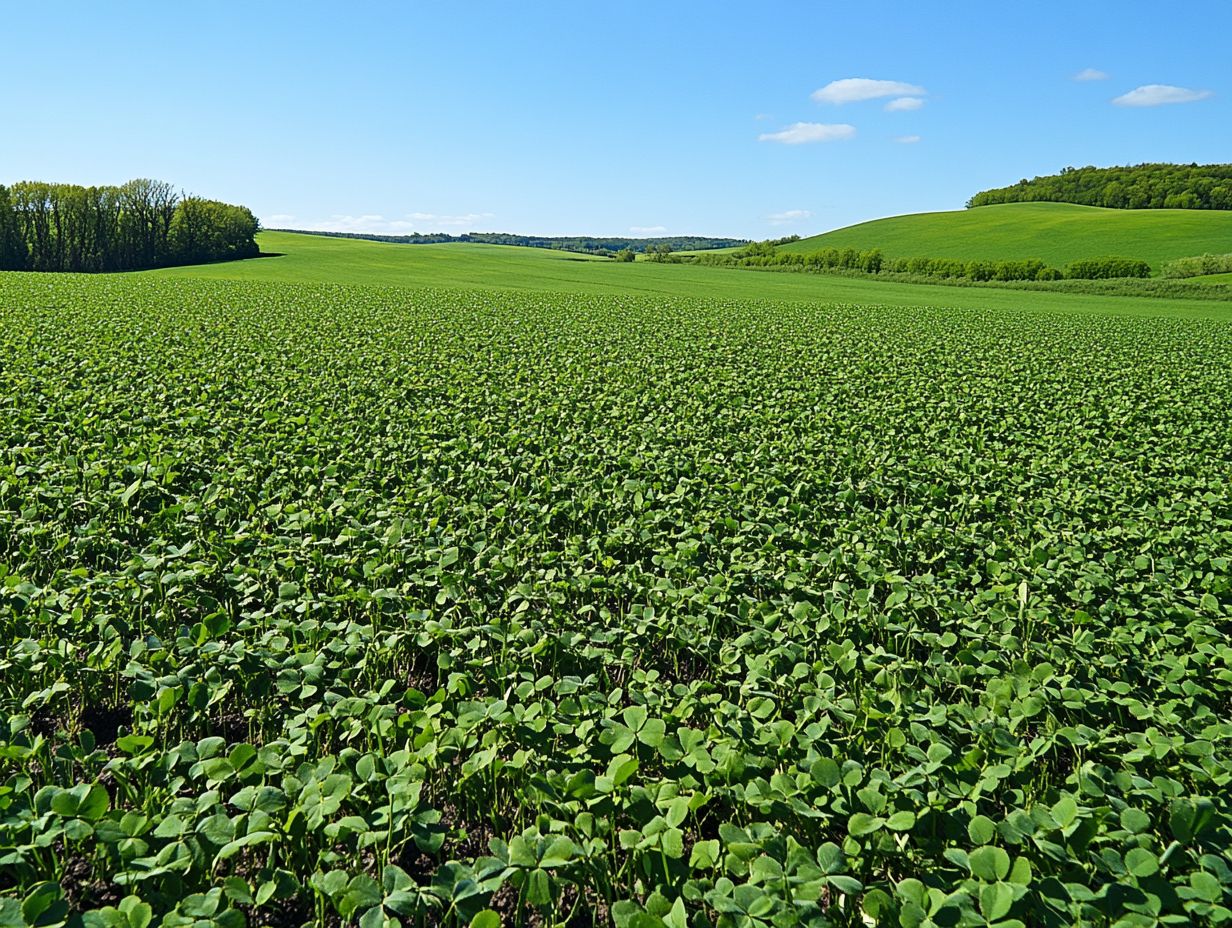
[412,606]
[1055,233]
[321,260]
[1212,279]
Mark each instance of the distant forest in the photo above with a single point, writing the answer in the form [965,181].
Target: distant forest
[581,243]
[140,224]
[1142,186]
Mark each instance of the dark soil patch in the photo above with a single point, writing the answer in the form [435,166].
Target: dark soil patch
[296,912]
[104,722]
[82,891]
[232,725]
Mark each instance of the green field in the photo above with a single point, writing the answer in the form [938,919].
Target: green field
[322,260]
[1055,233]
[1212,279]
[516,589]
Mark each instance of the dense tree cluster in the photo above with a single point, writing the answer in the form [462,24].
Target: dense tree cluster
[1142,186]
[140,224]
[872,261]
[584,244]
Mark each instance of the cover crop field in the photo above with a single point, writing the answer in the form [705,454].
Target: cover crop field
[340,604]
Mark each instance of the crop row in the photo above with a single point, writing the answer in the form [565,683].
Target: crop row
[327,604]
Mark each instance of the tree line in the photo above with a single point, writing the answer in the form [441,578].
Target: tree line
[141,224]
[873,261]
[1141,186]
[584,244]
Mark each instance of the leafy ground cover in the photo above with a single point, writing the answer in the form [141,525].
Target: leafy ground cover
[334,604]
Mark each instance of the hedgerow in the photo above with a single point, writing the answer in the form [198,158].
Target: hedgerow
[1197,266]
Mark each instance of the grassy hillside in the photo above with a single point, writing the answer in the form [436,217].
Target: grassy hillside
[313,259]
[1056,233]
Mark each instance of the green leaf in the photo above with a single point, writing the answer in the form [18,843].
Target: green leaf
[95,804]
[861,823]
[901,821]
[558,853]
[485,918]
[1020,873]
[634,717]
[652,733]
[538,888]
[848,885]
[677,811]
[981,830]
[1206,886]
[10,914]
[826,772]
[830,858]
[139,914]
[1141,862]
[705,855]
[1065,811]
[1135,821]
[672,843]
[990,864]
[996,901]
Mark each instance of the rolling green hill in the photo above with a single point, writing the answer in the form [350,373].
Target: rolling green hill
[1056,233]
[318,260]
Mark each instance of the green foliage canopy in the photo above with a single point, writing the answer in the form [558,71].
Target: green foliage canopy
[140,224]
[1142,186]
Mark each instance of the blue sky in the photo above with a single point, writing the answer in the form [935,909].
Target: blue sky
[613,119]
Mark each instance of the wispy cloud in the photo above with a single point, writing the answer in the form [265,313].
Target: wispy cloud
[801,133]
[647,230]
[856,89]
[1160,95]
[465,219]
[378,224]
[762,117]
[276,220]
[902,104]
[1090,74]
[907,139]
[789,216]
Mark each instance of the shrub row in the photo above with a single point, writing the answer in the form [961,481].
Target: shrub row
[873,261]
[1197,266]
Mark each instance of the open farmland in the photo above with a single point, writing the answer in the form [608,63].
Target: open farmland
[428,607]
[319,260]
[1055,233]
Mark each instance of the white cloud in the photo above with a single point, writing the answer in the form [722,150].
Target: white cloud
[901,104]
[907,139]
[1090,74]
[277,220]
[466,219]
[1159,95]
[647,230]
[377,224]
[855,89]
[789,216]
[799,133]
[761,117]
